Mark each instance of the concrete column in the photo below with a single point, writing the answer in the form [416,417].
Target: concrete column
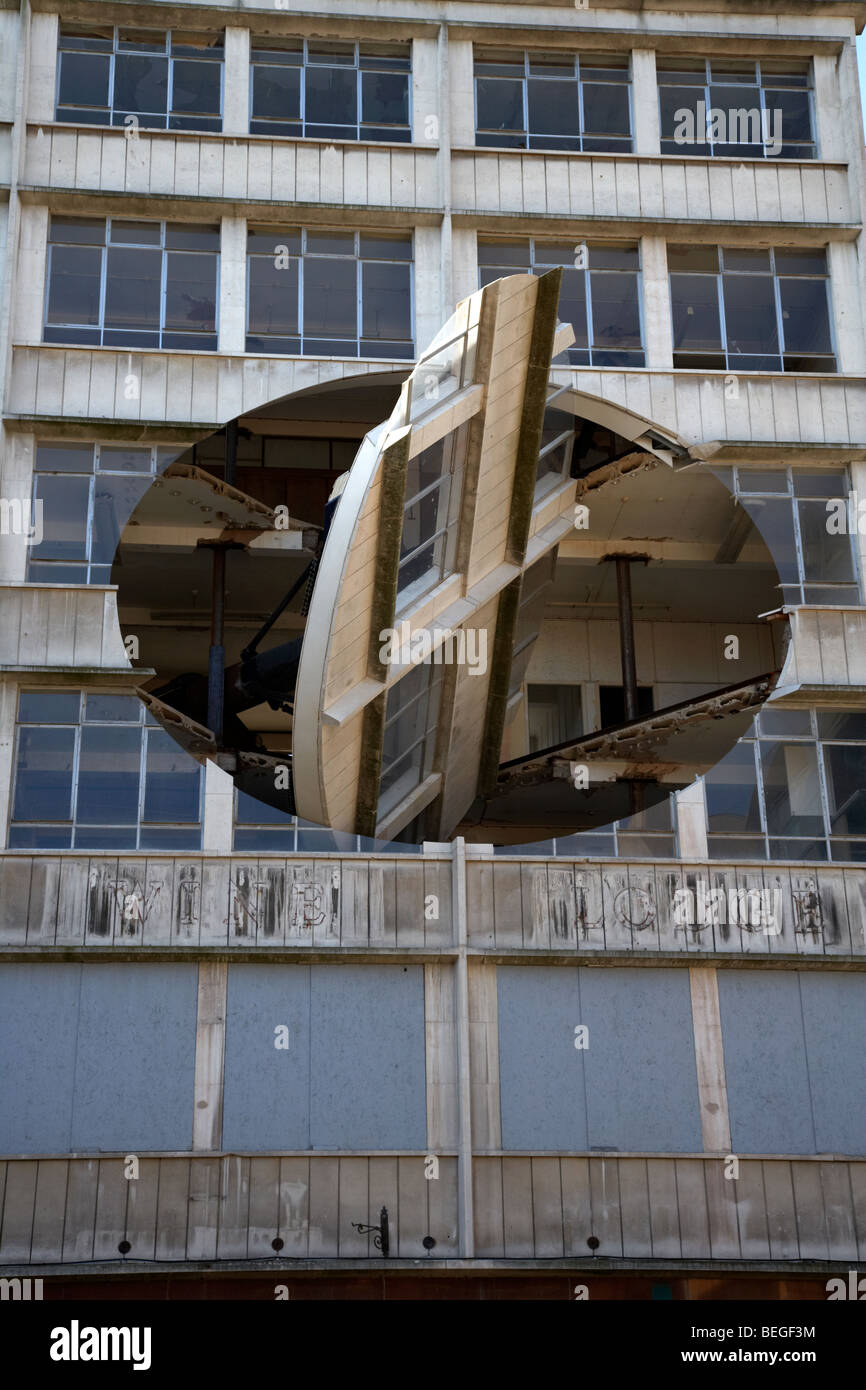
[465,1208]
[218,815]
[857,474]
[710,1060]
[461,93]
[9,21]
[16,486]
[692,822]
[644,101]
[830,131]
[430,310]
[846,309]
[658,334]
[29,281]
[236,90]
[427,113]
[464,262]
[8,706]
[42,84]
[210,1036]
[233,284]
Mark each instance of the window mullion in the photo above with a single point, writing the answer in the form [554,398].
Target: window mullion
[103,280]
[142,774]
[723,325]
[76,766]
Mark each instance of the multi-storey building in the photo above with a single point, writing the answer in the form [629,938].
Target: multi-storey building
[628,1059]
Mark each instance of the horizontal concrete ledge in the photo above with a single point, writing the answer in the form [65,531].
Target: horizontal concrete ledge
[231,138]
[255,209]
[665,41]
[260,955]
[701,230]
[127,675]
[278,1265]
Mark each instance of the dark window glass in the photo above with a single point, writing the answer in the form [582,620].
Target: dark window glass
[792,792]
[551,101]
[386,302]
[84,79]
[140,84]
[65,510]
[775,521]
[331,96]
[695,308]
[112,709]
[273,296]
[176,84]
[338,91]
[190,291]
[195,88]
[330,297]
[732,793]
[108,776]
[384,98]
[805,315]
[605,109]
[43,781]
[73,287]
[132,288]
[114,501]
[172,780]
[48,707]
[750,314]
[842,724]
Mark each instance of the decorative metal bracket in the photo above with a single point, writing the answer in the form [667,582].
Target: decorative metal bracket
[381,1238]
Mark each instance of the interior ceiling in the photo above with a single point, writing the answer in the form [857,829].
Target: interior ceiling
[662,592]
[367,403]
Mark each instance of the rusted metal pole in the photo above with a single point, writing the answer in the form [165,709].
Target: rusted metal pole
[626,636]
[217,654]
[231,455]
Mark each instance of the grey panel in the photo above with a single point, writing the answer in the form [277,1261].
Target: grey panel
[834,1016]
[135,1060]
[368,1072]
[641,1074]
[267,1089]
[634,1088]
[38,1011]
[765,1062]
[541,1075]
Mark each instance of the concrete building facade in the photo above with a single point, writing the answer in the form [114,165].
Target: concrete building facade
[627,1060]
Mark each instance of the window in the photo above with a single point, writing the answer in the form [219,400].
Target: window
[600,293]
[95,771]
[261,829]
[554,715]
[552,101]
[746,310]
[331,91]
[165,81]
[794,788]
[430,515]
[118,283]
[411,716]
[792,510]
[649,834]
[88,492]
[557,443]
[330,293]
[733,109]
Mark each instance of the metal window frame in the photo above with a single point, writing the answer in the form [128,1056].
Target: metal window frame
[168,54]
[360,127]
[527,133]
[762,97]
[588,272]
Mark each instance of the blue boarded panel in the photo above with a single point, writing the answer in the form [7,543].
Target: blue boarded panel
[834,1015]
[641,1074]
[38,1019]
[135,1057]
[267,1089]
[634,1088]
[541,1075]
[765,1062]
[368,1088]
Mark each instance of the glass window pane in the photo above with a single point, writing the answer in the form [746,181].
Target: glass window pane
[553,107]
[805,315]
[386,302]
[192,236]
[172,780]
[791,789]
[83,79]
[73,291]
[732,792]
[500,103]
[140,83]
[69,458]
[827,558]
[276,93]
[846,789]
[65,506]
[108,776]
[838,724]
[385,98]
[695,308]
[110,709]
[124,460]
[273,297]
[678,108]
[332,96]
[48,707]
[786,721]
[132,288]
[796,117]
[190,291]
[774,519]
[605,109]
[195,87]
[750,313]
[572,304]
[43,782]
[330,297]
[114,501]
[615,312]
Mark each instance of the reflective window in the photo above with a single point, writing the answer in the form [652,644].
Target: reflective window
[331,91]
[748,310]
[794,788]
[430,516]
[804,519]
[140,77]
[411,715]
[552,101]
[87,493]
[259,828]
[735,109]
[330,293]
[121,283]
[600,294]
[94,771]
